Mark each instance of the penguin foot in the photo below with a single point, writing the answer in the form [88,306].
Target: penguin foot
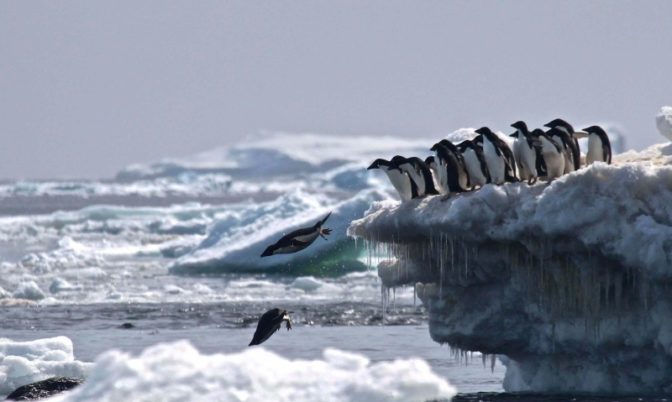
[325,232]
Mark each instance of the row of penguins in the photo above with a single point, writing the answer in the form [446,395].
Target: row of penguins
[487,158]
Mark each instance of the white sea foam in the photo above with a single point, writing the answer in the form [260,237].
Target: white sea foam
[179,372]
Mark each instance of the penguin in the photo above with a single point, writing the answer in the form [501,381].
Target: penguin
[269,323]
[570,142]
[451,163]
[474,162]
[599,146]
[498,156]
[552,153]
[419,172]
[298,239]
[399,179]
[430,161]
[527,152]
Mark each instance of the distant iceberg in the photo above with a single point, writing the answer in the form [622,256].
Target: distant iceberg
[568,282]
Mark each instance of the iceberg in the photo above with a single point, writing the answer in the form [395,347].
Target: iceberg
[179,372]
[567,282]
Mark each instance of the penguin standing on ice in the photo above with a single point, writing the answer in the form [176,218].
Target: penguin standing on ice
[420,173]
[552,152]
[474,162]
[298,239]
[527,152]
[269,323]
[599,146]
[451,163]
[399,179]
[498,156]
[569,139]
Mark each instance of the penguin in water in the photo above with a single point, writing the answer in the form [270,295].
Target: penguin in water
[569,139]
[599,146]
[298,239]
[420,173]
[399,179]
[451,163]
[498,156]
[527,152]
[552,153]
[269,323]
[474,162]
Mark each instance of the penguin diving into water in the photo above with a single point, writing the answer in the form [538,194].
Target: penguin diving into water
[269,323]
[400,180]
[298,239]
[498,156]
[599,146]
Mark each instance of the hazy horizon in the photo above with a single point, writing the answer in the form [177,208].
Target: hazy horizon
[87,88]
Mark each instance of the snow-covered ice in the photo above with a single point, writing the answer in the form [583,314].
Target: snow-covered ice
[567,282]
[179,372]
[27,362]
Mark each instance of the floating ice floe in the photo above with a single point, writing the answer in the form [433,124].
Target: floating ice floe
[179,372]
[23,363]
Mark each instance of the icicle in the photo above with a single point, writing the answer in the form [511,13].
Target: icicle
[493,360]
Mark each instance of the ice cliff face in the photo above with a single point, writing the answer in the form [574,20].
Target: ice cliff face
[569,283]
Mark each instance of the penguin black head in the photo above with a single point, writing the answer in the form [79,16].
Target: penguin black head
[442,142]
[462,146]
[560,123]
[429,160]
[484,131]
[478,140]
[520,125]
[378,163]
[537,132]
[596,130]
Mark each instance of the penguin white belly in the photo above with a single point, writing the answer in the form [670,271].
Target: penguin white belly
[436,175]
[569,159]
[308,238]
[401,183]
[555,161]
[442,174]
[473,168]
[495,162]
[595,153]
[416,177]
[462,176]
[523,171]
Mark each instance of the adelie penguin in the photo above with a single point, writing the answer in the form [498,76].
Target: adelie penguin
[269,323]
[454,177]
[599,146]
[420,174]
[552,152]
[400,180]
[527,152]
[498,156]
[568,137]
[474,162]
[298,239]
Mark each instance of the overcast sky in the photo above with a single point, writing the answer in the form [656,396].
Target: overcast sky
[87,87]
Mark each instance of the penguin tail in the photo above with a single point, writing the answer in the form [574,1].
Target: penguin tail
[268,252]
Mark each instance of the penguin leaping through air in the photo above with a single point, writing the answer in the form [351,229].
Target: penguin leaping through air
[298,239]
[400,180]
[599,146]
[269,323]
[498,156]
[527,151]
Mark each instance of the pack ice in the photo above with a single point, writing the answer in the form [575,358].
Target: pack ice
[569,283]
